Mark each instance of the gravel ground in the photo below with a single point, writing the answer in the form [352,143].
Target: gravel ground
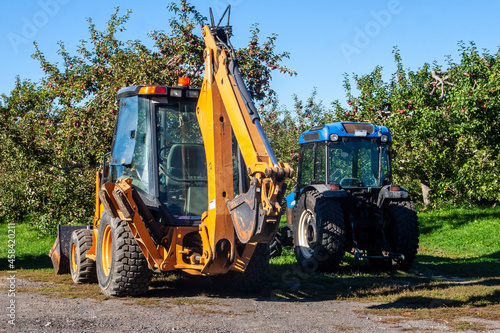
[37,313]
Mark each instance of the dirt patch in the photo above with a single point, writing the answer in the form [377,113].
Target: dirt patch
[166,310]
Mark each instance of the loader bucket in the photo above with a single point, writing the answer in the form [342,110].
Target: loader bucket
[59,254]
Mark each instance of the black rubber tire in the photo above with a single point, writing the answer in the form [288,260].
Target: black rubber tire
[402,232]
[255,276]
[275,247]
[286,232]
[129,274]
[253,279]
[82,269]
[319,246]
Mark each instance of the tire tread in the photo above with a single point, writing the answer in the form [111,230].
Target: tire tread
[404,232]
[329,252]
[86,268]
[130,274]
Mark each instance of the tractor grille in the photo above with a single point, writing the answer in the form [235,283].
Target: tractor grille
[311,137]
[352,128]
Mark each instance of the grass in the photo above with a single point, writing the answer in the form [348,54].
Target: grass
[461,241]
[456,275]
[461,232]
[31,249]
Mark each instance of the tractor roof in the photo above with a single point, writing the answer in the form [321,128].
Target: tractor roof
[344,129]
[176,91]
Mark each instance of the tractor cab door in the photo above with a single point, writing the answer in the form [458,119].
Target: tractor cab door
[312,164]
[132,151]
[182,167]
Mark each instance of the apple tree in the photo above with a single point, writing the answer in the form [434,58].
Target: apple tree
[55,132]
[444,124]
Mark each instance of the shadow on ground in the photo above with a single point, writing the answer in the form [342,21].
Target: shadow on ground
[471,268]
[428,284]
[32,262]
[423,302]
[356,280]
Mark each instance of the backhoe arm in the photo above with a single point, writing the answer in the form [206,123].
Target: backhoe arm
[224,109]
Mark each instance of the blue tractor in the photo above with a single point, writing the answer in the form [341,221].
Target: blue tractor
[345,200]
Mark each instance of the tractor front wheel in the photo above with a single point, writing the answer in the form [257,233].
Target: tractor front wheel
[122,269]
[83,270]
[318,232]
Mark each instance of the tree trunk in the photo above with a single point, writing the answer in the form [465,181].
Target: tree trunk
[425,193]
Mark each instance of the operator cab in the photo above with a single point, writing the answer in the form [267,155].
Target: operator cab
[352,156]
[158,144]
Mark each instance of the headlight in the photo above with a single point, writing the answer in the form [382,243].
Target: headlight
[334,137]
[176,92]
[193,93]
[384,138]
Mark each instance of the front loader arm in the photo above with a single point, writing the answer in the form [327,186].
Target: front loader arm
[224,109]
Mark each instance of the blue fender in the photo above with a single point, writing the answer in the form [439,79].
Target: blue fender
[321,188]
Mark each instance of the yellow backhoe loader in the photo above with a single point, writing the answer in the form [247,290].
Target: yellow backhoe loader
[192,185]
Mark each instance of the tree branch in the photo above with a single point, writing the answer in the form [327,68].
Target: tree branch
[440,82]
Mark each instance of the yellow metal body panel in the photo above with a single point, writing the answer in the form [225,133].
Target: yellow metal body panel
[249,140]
[222,111]
[217,138]
[99,209]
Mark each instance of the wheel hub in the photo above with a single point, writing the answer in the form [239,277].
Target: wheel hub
[106,253]
[73,257]
[307,234]
[311,233]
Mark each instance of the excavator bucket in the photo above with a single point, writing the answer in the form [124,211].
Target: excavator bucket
[59,254]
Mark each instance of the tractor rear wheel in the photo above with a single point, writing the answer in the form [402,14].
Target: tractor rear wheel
[122,269]
[255,276]
[253,279]
[402,232]
[83,270]
[318,232]
[275,247]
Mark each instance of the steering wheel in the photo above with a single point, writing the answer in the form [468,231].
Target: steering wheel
[349,182]
[161,153]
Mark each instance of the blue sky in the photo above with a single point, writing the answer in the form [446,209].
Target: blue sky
[325,38]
